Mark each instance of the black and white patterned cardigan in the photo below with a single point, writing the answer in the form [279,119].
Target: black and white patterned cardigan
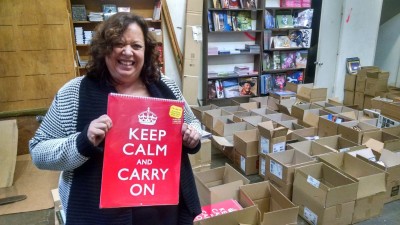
[61,144]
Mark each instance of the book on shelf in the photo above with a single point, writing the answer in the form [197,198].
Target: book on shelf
[123,9]
[142,152]
[227,21]
[234,4]
[273,3]
[253,48]
[243,20]
[300,38]
[241,70]
[279,81]
[280,42]
[231,87]
[284,19]
[211,89]
[301,59]
[303,18]
[225,4]
[157,10]
[305,3]
[217,4]
[296,77]
[78,13]
[248,86]
[267,62]
[109,10]
[248,4]
[288,59]
[219,88]
[276,60]
[210,21]
[96,16]
[291,3]
[266,84]
[269,20]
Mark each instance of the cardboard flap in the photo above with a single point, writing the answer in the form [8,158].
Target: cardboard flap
[226,191]
[231,174]
[8,151]
[390,158]
[271,129]
[374,144]
[222,141]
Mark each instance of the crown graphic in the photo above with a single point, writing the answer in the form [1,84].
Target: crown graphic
[147,117]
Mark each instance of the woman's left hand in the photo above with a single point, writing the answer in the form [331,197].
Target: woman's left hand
[191,136]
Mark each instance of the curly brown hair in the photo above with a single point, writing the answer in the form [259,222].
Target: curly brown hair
[108,34]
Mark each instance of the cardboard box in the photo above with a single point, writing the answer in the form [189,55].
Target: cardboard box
[360,83]
[224,126]
[311,148]
[327,127]
[285,189]
[325,196]
[338,143]
[311,117]
[255,120]
[348,131]
[265,102]
[314,94]
[379,140]
[198,111]
[368,207]
[246,142]
[249,165]
[348,98]
[263,111]
[367,101]
[261,167]
[280,166]
[272,137]
[296,87]
[219,184]
[359,99]
[274,207]
[190,87]
[376,82]
[340,109]
[309,133]
[225,145]
[323,104]
[209,115]
[291,125]
[202,159]
[392,130]
[391,110]
[238,116]
[278,117]
[365,173]
[298,110]
[350,82]
[282,95]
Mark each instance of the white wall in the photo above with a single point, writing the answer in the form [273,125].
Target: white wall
[177,10]
[388,49]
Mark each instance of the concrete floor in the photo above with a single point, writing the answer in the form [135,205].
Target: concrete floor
[389,216]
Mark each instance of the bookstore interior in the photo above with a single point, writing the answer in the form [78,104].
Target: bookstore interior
[297,106]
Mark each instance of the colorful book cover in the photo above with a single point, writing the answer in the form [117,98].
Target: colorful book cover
[234,4]
[142,152]
[284,21]
[218,208]
[231,87]
[210,21]
[227,21]
[280,42]
[220,89]
[269,20]
[276,63]
[267,61]
[301,59]
[249,4]
[248,86]
[303,18]
[288,60]
[296,77]
[212,91]
[244,20]
[279,81]
[300,38]
[225,4]
[266,84]
[217,4]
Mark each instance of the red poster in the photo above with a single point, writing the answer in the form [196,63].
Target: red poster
[218,208]
[142,152]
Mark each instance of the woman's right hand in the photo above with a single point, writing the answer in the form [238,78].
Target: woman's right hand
[98,129]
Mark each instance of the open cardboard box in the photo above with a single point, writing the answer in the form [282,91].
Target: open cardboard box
[391,164]
[199,110]
[238,116]
[347,130]
[311,148]
[325,195]
[255,120]
[280,166]
[365,173]
[298,110]
[323,104]
[219,184]
[226,127]
[379,140]
[296,87]
[210,115]
[246,142]
[202,159]
[225,145]
[272,137]
[311,117]
[263,111]
[339,144]
[313,94]
[265,102]
[274,207]
[277,117]
[309,133]
[327,127]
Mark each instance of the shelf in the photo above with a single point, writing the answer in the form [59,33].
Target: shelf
[286,8]
[216,9]
[283,49]
[287,29]
[231,31]
[229,77]
[82,45]
[282,70]
[85,22]
[235,54]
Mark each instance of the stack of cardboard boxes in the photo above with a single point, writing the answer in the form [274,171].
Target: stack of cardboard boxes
[311,156]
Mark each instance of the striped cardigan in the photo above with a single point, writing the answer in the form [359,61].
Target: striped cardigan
[61,144]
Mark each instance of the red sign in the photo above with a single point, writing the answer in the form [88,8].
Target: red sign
[218,208]
[142,153]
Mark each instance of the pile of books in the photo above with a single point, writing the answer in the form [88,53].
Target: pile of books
[95,16]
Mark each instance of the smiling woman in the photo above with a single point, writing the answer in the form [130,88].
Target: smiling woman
[123,60]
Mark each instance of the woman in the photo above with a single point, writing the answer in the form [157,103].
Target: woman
[71,137]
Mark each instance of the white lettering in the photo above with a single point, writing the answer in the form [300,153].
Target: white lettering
[124,149]
[144,150]
[146,134]
[119,174]
[144,162]
[142,174]
[137,190]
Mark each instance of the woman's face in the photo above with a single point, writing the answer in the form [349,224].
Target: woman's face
[126,59]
